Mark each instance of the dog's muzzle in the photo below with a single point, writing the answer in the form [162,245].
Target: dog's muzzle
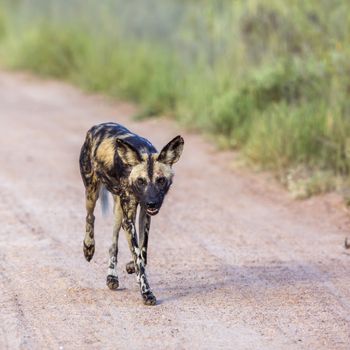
[152,208]
[152,211]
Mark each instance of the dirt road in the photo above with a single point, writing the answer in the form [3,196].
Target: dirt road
[234,263]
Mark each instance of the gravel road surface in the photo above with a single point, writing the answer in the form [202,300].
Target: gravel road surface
[234,262]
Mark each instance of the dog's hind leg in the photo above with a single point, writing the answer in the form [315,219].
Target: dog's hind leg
[92,193]
[112,277]
[144,226]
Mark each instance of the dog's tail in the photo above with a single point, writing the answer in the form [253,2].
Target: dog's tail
[104,200]
[346,243]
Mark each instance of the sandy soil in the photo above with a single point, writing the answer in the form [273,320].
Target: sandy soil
[233,261]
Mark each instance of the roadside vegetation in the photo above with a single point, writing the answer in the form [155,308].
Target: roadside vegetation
[266,77]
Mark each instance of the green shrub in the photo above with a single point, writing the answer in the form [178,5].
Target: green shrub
[2,25]
[50,51]
[267,77]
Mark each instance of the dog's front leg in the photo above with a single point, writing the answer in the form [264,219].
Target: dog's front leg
[91,193]
[139,263]
[144,226]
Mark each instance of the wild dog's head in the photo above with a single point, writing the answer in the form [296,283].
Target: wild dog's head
[151,175]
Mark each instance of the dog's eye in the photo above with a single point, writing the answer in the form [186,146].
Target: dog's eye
[141,181]
[161,180]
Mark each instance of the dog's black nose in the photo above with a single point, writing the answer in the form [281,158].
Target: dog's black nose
[151,205]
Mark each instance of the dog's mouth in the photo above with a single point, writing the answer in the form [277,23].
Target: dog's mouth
[152,211]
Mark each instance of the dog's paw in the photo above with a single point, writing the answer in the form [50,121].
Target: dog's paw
[130,267]
[112,282]
[149,298]
[89,250]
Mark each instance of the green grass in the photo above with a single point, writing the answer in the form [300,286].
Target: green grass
[269,78]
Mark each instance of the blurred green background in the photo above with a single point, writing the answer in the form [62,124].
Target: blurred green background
[268,77]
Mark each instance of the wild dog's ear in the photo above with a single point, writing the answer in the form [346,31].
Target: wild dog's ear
[128,154]
[171,153]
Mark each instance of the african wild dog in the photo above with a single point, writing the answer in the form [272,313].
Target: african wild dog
[130,168]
